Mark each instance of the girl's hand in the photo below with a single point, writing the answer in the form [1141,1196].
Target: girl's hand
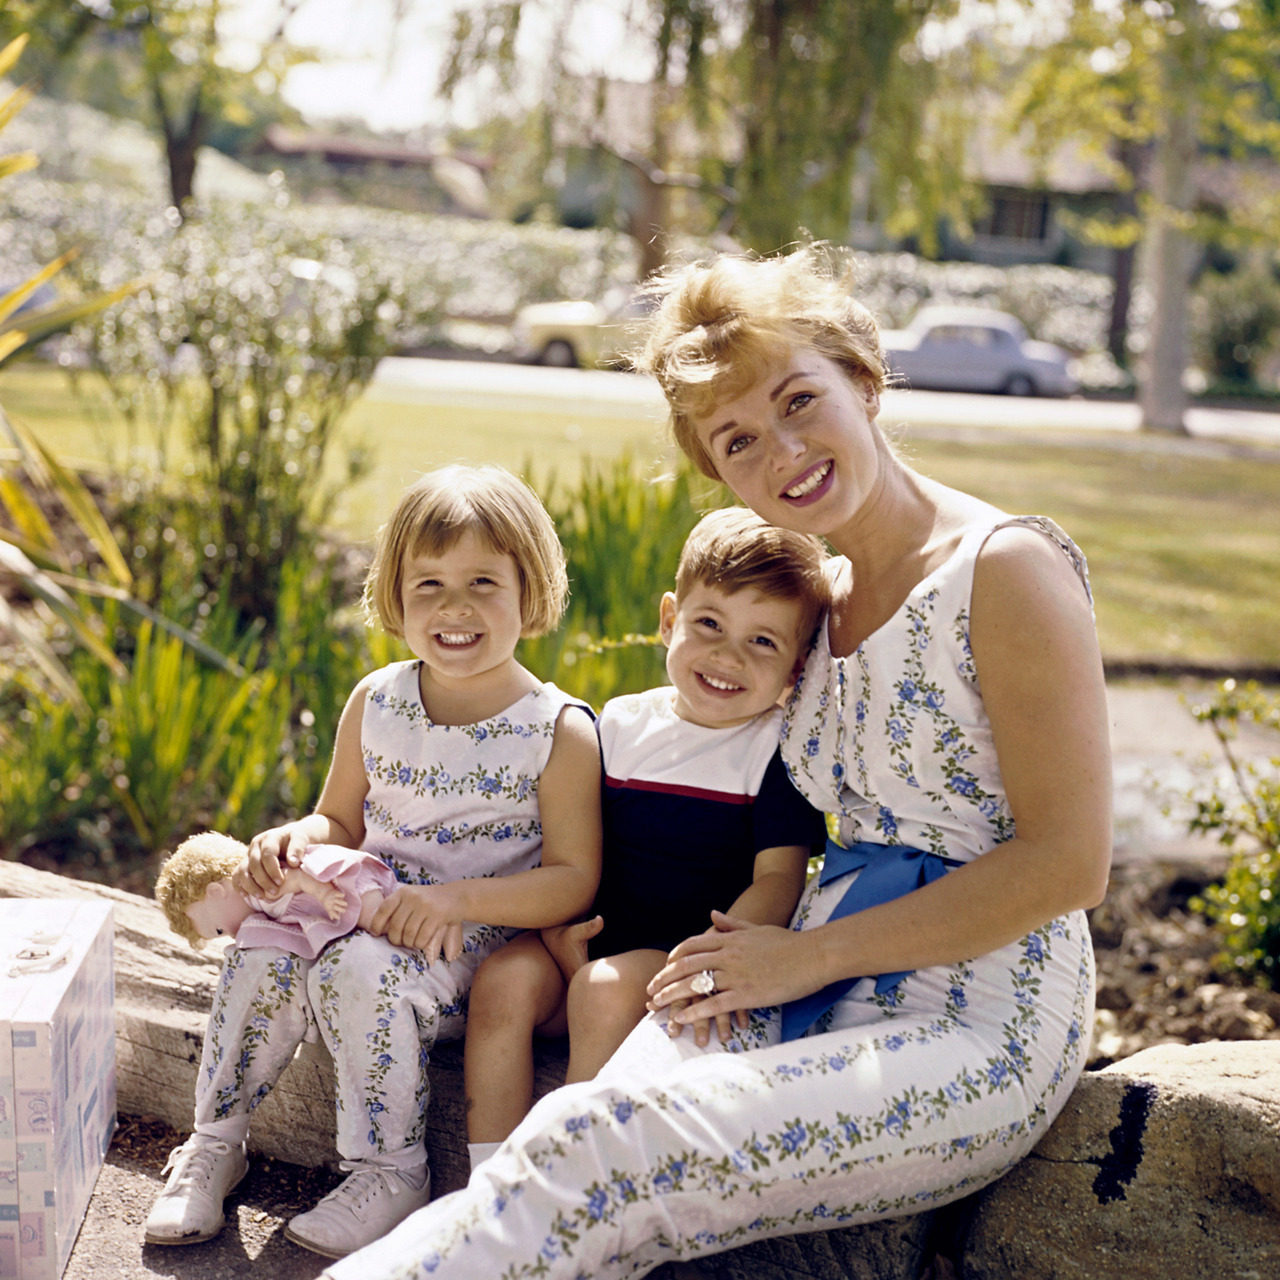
[271,855]
[754,966]
[425,916]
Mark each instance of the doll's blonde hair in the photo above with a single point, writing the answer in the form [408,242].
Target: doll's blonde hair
[719,323]
[496,506]
[187,873]
[734,548]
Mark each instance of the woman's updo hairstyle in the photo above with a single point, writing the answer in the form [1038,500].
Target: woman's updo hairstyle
[719,323]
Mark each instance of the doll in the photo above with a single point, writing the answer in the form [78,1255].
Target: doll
[334,891]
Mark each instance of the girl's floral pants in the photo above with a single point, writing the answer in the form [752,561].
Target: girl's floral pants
[892,1105]
[377,1008]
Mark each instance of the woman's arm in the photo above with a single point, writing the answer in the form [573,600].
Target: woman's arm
[561,888]
[338,817]
[1038,665]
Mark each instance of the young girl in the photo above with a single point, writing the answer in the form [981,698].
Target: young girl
[478,786]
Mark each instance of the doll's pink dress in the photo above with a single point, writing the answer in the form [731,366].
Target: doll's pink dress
[296,922]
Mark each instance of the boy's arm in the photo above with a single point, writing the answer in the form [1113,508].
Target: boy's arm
[562,887]
[776,886]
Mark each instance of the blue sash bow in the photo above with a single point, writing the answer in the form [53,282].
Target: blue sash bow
[888,871]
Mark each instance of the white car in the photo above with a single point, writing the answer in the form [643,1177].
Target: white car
[569,334]
[976,349]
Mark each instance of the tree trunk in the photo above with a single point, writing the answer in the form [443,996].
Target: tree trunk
[1170,249]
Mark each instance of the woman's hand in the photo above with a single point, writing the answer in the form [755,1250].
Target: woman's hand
[426,916]
[754,966]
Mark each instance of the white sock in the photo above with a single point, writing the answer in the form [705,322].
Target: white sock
[233,1130]
[480,1152]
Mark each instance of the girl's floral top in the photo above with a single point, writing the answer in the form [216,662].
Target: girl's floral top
[894,739]
[449,802]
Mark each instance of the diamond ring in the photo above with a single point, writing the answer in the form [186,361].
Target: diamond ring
[704,983]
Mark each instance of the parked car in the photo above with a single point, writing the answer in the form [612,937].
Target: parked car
[976,349]
[569,334]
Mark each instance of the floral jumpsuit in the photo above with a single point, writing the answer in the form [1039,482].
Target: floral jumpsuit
[445,802]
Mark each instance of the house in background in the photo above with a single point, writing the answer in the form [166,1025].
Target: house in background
[380,171]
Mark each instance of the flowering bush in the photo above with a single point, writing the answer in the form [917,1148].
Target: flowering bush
[1246,905]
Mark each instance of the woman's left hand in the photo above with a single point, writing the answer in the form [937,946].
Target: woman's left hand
[753,965]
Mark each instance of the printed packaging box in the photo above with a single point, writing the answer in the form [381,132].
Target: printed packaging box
[57,1075]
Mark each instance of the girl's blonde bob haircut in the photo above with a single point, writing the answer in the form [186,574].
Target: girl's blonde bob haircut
[718,324]
[498,508]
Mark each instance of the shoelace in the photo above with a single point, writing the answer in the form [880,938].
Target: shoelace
[366,1182]
[194,1163]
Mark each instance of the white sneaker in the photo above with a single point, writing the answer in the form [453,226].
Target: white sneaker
[202,1173]
[358,1211]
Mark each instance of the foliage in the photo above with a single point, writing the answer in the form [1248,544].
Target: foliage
[1236,322]
[785,97]
[248,341]
[1246,905]
[1142,91]
[622,532]
[163,63]
[31,555]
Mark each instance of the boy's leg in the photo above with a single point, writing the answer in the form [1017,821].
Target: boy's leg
[606,1001]
[380,1009]
[518,991]
[258,1019]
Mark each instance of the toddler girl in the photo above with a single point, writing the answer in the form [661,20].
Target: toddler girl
[477,785]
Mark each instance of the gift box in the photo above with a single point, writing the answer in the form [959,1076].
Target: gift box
[57,1076]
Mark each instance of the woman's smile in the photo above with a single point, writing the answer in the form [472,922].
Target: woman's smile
[814,480]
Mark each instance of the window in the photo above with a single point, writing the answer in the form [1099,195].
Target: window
[1016,215]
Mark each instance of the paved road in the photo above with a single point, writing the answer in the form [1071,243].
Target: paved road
[587,392]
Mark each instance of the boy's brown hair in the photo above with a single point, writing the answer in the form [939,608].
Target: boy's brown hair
[496,506]
[734,548]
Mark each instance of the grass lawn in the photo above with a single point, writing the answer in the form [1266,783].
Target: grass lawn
[1183,546]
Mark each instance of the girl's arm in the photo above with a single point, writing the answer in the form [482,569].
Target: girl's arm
[1037,659]
[338,817]
[562,887]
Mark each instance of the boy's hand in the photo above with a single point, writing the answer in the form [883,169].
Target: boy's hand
[426,916]
[567,944]
[271,855]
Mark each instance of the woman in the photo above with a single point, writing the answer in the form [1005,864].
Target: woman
[951,716]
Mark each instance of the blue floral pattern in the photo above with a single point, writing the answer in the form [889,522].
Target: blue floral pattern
[445,803]
[890,1105]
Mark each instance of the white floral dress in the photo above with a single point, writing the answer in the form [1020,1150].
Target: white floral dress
[891,1104]
[445,802]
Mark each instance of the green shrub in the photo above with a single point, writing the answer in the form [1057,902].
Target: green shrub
[1245,907]
[1236,320]
[622,533]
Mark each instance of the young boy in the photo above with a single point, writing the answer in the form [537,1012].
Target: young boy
[698,814]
